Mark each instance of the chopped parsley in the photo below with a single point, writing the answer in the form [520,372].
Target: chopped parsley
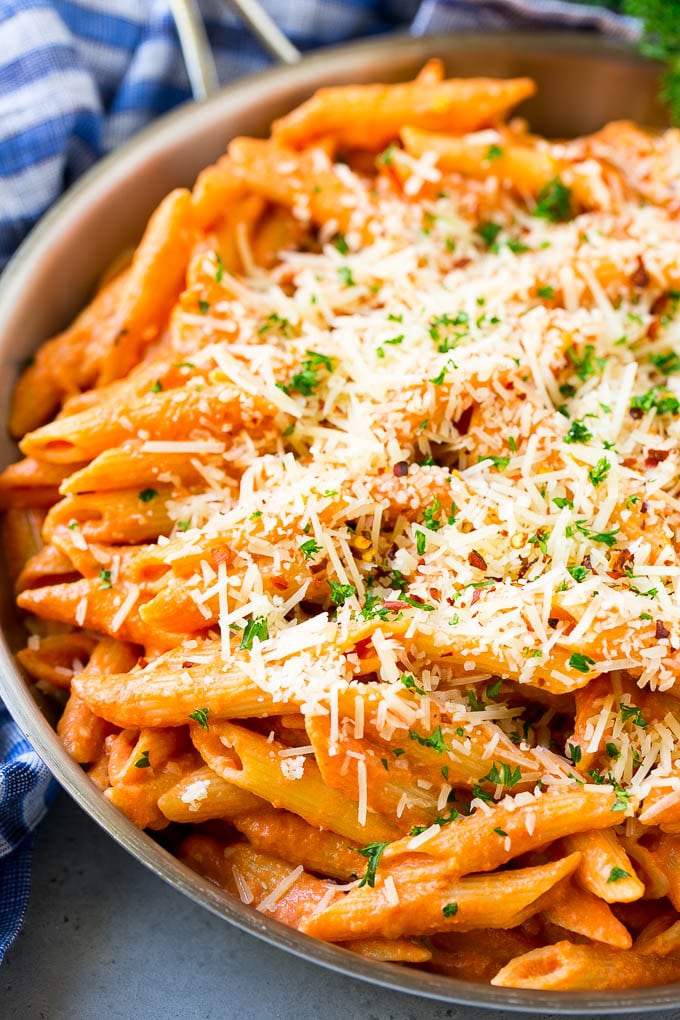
[373,608]
[607,538]
[443,330]
[547,293]
[574,753]
[631,713]
[385,158]
[578,432]
[274,321]
[104,578]
[310,548]
[598,473]
[143,761]
[493,152]
[435,740]
[516,246]
[585,365]
[653,400]
[157,386]
[255,628]
[667,363]
[488,232]
[307,381]
[346,276]
[578,573]
[503,775]
[340,243]
[493,690]
[372,852]
[430,515]
[616,874]
[409,682]
[441,376]
[201,717]
[582,663]
[450,910]
[621,801]
[341,592]
[146,495]
[554,202]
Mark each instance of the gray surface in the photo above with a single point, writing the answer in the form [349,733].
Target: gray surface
[105,938]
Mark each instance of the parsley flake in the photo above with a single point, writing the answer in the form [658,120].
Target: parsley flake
[616,874]
[582,663]
[598,473]
[341,592]
[372,852]
[201,717]
[254,628]
[409,682]
[554,202]
[310,548]
[435,740]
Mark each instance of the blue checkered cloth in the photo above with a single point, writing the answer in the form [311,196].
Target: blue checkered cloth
[78,77]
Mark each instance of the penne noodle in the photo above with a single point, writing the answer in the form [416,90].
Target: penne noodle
[250,761]
[424,903]
[581,967]
[369,116]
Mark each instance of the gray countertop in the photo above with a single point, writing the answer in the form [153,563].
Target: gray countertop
[104,938]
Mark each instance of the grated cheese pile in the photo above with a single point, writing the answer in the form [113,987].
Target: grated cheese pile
[433,541]
[479,435]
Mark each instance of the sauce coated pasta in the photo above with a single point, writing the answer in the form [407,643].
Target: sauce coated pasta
[347,534]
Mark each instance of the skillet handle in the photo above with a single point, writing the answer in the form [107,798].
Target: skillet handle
[195,45]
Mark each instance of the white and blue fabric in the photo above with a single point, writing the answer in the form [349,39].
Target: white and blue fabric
[26,788]
[78,77]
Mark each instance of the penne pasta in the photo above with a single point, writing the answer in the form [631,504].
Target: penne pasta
[346,533]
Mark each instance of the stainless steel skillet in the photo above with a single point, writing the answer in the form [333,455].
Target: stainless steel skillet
[583,82]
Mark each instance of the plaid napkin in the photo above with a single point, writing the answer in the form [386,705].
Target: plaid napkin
[77,77]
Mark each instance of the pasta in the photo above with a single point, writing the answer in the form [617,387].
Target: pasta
[347,534]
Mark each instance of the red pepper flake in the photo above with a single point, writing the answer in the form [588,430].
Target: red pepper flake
[476,559]
[187,664]
[476,596]
[661,631]
[400,468]
[620,561]
[655,457]
[394,604]
[640,277]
